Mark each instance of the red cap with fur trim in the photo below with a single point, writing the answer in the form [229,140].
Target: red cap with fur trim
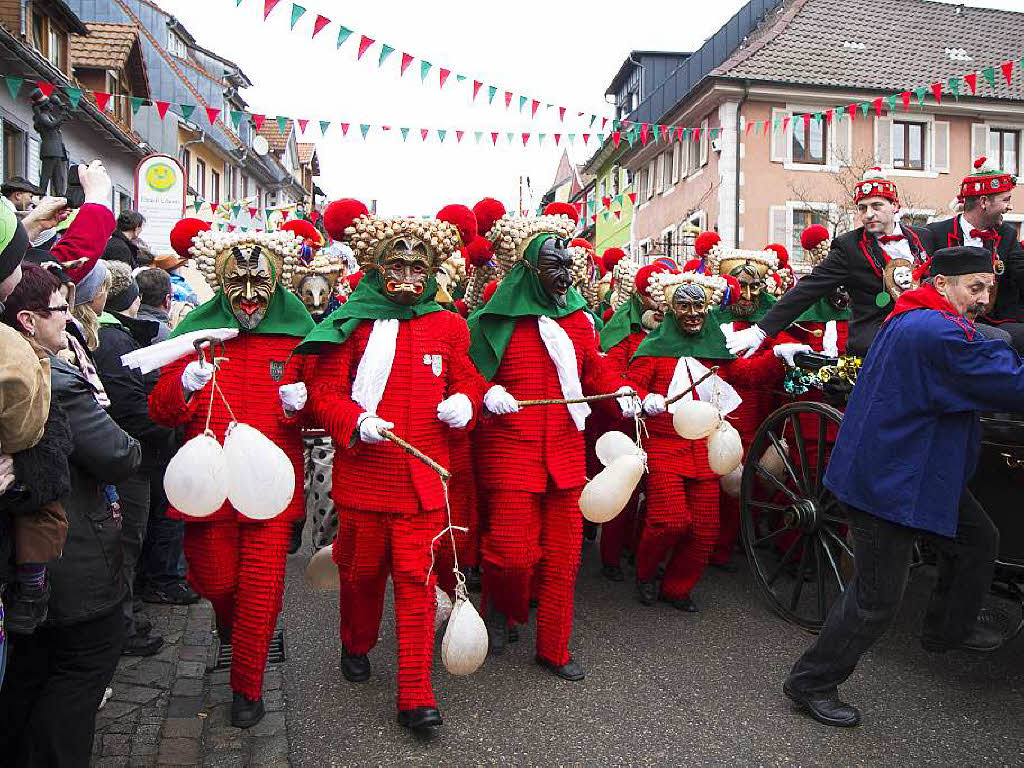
[341,214]
[611,257]
[705,242]
[489,290]
[781,252]
[562,209]
[305,230]
[643,277]
[182,234]
[813,236]
[487,212]
[463,218]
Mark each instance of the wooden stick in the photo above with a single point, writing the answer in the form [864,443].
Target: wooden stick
[574,400]
[444,473]
[692,387]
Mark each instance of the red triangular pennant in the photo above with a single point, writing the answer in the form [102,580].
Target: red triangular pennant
[878,106]
[534,104]
[46,88]
[102,99]
[526,138]
[618,214]
[972,80]
[406,61]
[344,128]
[558,138]
[161,108]
[303,122]
[632,197]
[443,75]
[586,138]
[679,133]
[785,127]
[257,120]
[906,100]
[508,98]
[252,213]
[606,201]
[644,130]
[604,122]
[1007,67]
[750,124]
[424,132]
[807,120]
[616,137]
[477,85]
[494,138]
[211,114]
[364,43]
[852,110]
[268,6]
[937,90]
[319,24]
[458,136]
[561,114]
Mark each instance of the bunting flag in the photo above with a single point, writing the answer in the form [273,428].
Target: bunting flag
[211,114]
[268,6]
[406,61]
[385,51]
[324,125]
[443,73]
[319,24]
[162,107]
[364,43]
[103,99]
[14,85]
[297,12]
[75,96]
[477,85]
[257,120]
[344,33]
[302,124]
[46,88]
[424,69]
[282,123]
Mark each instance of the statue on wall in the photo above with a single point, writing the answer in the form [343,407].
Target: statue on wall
[49,113]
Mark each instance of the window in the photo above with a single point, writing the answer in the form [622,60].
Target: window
[676,170]
[1004,146]
[802,219]
[809,140]
[55,51]
[39,31]
[200,181]
[14,151]
[234,182]
[908,145]
[644,186]
[215,185]
[124,202]
[176,46]
[668,173]
[186,163]
[616,174]
[604,187]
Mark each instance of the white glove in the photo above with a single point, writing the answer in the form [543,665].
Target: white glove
[456,411]
[293,396]
[196,375]
[628,402]
[499,402]
[370,427]
[746,342]
[654,404]
[96,183]
[787,351]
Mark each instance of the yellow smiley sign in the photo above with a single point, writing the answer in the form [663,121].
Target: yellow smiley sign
[161,177]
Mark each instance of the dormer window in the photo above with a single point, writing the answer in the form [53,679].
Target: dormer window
[176,46]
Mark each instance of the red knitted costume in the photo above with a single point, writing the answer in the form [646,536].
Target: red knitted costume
[233,561]
[532,468]
[682,492]
[389,504]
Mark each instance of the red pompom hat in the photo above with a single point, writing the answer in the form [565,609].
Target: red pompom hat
[461,307]
[305,230]
[875,185]
[462,218]
[643,277]
[182,234]
[607,314]
[693,265]
[580,242]
[705,242]
[611,257]
[341,214]
[782,253]
[813,236]
[487,212]
[479,251]
[986,180]
[562,209]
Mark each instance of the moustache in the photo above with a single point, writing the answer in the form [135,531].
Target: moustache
[396,287]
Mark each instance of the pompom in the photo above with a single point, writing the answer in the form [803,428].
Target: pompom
[813,236]
[780,251]
[607,314]
[461,307]
[462,218]
[643,276]
[341,214]
[980,162]
[580,242]
[487,212]
[479,251]
[611,257]
[705,242]
[872,173]
[489,290]
[183,232]
[732,294]
[693,265]
[353,279]
[562,209]
[305,230]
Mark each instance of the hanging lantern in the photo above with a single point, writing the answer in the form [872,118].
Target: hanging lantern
[261,478]
[725,450]
[444,607]
[694,419]
[464,647]
[322,572]
[195,479]
[612,445]
[609,490]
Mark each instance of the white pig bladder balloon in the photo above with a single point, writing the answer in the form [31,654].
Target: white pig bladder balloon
[612,445]
[464,647]
[261,479]
[322,572]
[609,490]
[725,450]
[196,478]
[694,419]
[444,608]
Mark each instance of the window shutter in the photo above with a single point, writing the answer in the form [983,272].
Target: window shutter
[780,145]
[841,141]
[684,158]
[940,146]
[34,164]
[779,224]
[677,154]
[883,141]
[704,142]
[979,141]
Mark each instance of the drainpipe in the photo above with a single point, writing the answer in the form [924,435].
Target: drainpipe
[24,20]
[739,138]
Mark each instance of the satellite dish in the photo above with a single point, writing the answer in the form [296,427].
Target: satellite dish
[260,146]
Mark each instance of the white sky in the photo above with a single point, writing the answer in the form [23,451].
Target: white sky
[560,52]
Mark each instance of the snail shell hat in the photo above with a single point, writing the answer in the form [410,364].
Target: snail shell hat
[663,285]
[213,251]
[722,261]
[624,278]
[373,237]
[327,264]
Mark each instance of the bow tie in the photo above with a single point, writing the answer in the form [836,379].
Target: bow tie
[883,239]
[983,234]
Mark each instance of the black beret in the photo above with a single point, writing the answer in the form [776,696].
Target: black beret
[961,260]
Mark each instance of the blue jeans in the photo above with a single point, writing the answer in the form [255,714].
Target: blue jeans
[163,551]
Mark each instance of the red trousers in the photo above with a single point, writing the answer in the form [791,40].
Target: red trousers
[239,567]
[682,518]
[729,529]
[528,532]
[370,545]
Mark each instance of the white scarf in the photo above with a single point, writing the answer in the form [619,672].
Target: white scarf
[375,365]
[830,341]
[563,354]
[714,389]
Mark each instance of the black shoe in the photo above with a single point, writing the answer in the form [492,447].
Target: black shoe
[982,639]
[223,635]
[26,607]
[647,592]
[589,530]
[497,631]
[419,718]
[728,566]
[684,604]
[613,572]
[295,536]
[571,671]
[143,626]
[827,709]
[141,645]
[245,713]
[178,593]
[355,667]
[473,578]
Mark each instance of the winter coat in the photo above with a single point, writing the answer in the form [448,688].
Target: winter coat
[120,248]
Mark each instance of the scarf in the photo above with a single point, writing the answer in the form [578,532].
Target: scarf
[714,389]
[669,340]
[286,315]
[766,302]
[520,294]
[627,319]
[925,297]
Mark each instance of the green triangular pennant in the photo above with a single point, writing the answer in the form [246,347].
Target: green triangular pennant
[990,75]
[460,78]
[198,204]
[593,119]
[478,134]
[297,12]
[236,118]
[344,33]
[491,90]
[405,133]
[14,85]
[385,51]
[892,101]
[424,69]
[540,138]
[510,137]
[954,86]
[864,106]
[235,208]
[282,123]
[919,92]
[522,103]
[572,138]
[269,212]
[441,134]
[364,129]
[187,110]
[324,125]
[818,117]
[75,96]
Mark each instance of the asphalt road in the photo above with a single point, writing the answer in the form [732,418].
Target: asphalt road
[662,688]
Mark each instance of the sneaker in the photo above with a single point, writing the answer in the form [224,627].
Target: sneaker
[25,607]
[178,593]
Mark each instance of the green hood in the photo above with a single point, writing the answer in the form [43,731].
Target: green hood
[627,319]
[669,340]
[286,316]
